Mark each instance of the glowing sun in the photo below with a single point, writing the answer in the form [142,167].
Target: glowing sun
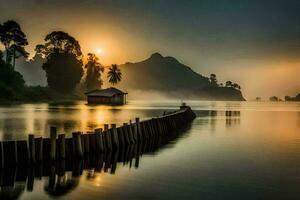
[99,51]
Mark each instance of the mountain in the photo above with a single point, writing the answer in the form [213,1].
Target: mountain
[170,77]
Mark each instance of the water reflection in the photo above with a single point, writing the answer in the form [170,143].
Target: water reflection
[64,176]
[212,117]
[17,121]
[232,118]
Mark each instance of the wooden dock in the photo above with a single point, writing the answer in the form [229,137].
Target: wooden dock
[111,138]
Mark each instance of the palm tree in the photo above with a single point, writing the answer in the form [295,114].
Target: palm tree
[14,41]
[114,74]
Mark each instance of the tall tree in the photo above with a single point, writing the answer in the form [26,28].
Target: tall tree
[114,74]
[213,79]
[14,41]
[63,64]
[93,72]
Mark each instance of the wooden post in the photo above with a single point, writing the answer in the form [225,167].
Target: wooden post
[139,130]
[31,148]
[39,149]
[107,137]
[126,135]
[115,139]
[99,140]
[22,152]
[130,133]
[53,134]
[9,153]
[61,146]
[135,132]
[77,146]
[144,130]
[92,139]
[86,143]
[121,136]
[149,129]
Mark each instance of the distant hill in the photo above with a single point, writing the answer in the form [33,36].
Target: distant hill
[168,76]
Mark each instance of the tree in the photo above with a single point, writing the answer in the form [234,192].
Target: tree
[1,58]
[93,72]
[11,82]
[114,74]
[236,86]
[14,41]
[228,84]
[59,42]
[63,64]
[274,98]
[213,79]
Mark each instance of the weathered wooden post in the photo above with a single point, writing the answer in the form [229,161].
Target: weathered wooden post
[149,129]
[130,133]
[53,135]
[61,146]
[126,135]
[144,131]
[92,139]
[86,143]
[107,137]
[23,153]
[31,145]
[139,130]
[38,149]
[121,136]
[77,146]
[9,153]
[99,140]
[115,139]
[135,132]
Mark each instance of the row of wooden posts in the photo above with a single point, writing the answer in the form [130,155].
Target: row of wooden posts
[58,147]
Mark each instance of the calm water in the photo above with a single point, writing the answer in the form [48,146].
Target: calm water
[232,150]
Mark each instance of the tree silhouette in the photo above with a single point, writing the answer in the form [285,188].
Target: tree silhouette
[228,84]
[59,42]
[14,41]
[114,74]
[1,58]
[11,82]
[236,86]
[93,72]
[63,64]
[213,79]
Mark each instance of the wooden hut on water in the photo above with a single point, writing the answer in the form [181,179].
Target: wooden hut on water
[112,96]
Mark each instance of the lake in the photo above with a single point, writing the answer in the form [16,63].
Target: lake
[232,150]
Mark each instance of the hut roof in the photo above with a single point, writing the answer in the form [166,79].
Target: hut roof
[108,92]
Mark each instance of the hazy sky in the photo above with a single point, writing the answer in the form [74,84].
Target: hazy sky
[253,42]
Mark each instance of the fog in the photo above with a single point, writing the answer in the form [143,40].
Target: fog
[32,71]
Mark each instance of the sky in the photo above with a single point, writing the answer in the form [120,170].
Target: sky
[253,42]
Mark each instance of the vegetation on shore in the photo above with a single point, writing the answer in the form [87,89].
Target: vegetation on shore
[67,78]
[295,98]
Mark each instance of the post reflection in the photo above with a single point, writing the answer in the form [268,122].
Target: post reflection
[62,177]
[216,118]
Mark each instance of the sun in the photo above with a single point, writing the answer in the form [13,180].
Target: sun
[99,51]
